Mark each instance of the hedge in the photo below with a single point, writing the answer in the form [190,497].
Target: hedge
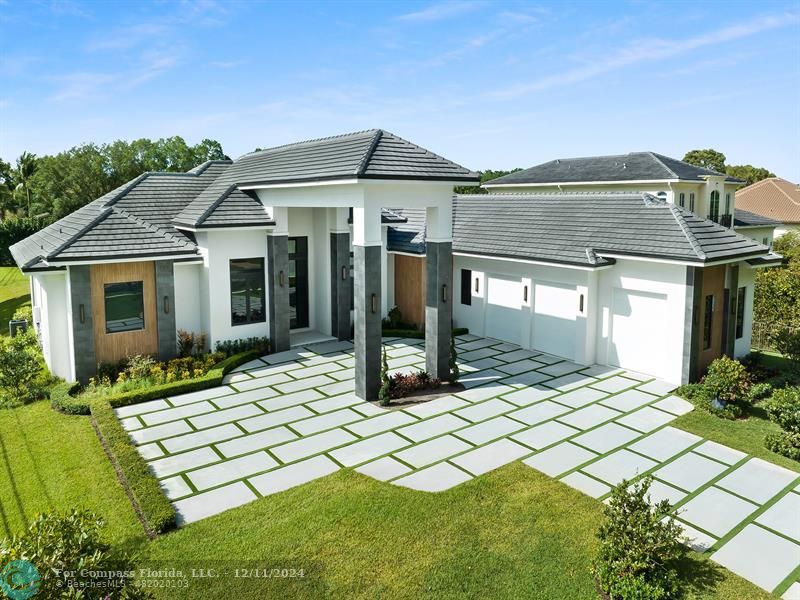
[62,399]
[417,333]
[149,502]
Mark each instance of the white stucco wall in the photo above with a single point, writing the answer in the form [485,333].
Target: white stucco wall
[758,234]
[218,248]
[188,298]
[785,228]
[54,327]
[662,356]
[743,344]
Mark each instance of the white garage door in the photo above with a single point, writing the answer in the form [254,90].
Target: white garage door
[637,336]
[555,309]
[503,308]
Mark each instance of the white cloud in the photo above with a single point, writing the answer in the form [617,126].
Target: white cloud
[648,50]
[440,12]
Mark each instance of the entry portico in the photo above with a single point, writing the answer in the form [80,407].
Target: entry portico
[354,212]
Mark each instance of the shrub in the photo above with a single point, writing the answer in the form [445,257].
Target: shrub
[21,367]
[784,408]
[640,546]
[759,391]
[785,443]
[787,341]
[191,343]
[393,318]
[385,393]
[727,379]
[403,385]
[231,347]
[454,374]
[59,542]
[24,313]
[62,399]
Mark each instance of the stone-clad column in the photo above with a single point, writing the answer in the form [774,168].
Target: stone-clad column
[341,285]
[80,291]
[367,305]
[278,291]
[438,308]
[165,309]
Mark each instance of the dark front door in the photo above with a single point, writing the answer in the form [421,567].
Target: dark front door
[298,282]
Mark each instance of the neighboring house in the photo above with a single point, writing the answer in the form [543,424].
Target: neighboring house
[773,198]
[325,236]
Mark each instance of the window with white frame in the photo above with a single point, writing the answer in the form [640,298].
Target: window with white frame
[691,201]
[682,200]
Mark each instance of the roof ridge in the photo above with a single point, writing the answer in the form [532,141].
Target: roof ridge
[788,197]
[657,158]
[105,211]
[311,141]
[364,162]
[147,224]
[203,166]
[678,214]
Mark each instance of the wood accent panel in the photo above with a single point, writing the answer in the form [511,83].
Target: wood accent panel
[713,285]
[111,347]
[409,288]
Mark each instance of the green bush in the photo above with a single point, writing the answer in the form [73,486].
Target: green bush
[71,542]
[640,546]
[63,400]
[23,313]
[786,443]
[416,333]
[727,379]
[13,230]
[385,391]
[759,391]
[699,395]
[784,408]
[256,344]
[452,363]
[787,341]
[135,476]
[21,370]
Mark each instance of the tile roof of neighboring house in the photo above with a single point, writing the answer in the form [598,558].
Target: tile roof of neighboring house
[775,198]
[635,166]
[371,154]
[579,228]
[409,237]
[744,218]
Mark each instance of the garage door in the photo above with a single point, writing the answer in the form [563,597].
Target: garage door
[503,308]
[637,335]
[555,309]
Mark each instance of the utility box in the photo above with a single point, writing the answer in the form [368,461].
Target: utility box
[16,326]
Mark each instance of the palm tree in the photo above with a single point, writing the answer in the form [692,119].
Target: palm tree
[26,167]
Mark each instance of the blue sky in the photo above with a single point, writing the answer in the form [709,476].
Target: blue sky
[487,84]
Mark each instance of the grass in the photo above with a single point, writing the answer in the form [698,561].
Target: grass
[14,294]
[509,534]
[51,461]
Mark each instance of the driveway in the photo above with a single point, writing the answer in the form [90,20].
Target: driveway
[289,418]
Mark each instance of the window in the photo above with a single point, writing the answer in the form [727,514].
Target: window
[691,201]
[707,319]
[727,204]
[740,299]
[713,208]
[466,294]
[124,306]
[247,291]
[682,200]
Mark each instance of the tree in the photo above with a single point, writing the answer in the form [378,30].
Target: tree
[487,175]
[7,185]
[748,173]
[708,159]
[23,174]
[385,391]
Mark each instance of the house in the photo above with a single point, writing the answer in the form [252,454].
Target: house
[320,239]
[704,192]
[773,198]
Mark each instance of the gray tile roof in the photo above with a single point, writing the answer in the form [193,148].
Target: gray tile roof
[575,228]
[410,236]
[744,218]
[371,154]
[635,166]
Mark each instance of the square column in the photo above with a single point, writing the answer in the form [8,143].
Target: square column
[367,306]
[341,285]
[278,291]
[438,308]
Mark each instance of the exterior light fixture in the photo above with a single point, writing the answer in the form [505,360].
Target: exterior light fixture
[374,304]
[580,304]
[525,294]
[166,305]
[281,279]
[82,313]
[476,285]
[444,293]
[344,272]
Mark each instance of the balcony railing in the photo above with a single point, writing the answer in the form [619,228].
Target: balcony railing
[724,220]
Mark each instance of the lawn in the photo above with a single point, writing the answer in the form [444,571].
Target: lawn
[53,461]
[14,294]
[511,533]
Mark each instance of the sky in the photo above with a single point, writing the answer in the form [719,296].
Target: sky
[490,85]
